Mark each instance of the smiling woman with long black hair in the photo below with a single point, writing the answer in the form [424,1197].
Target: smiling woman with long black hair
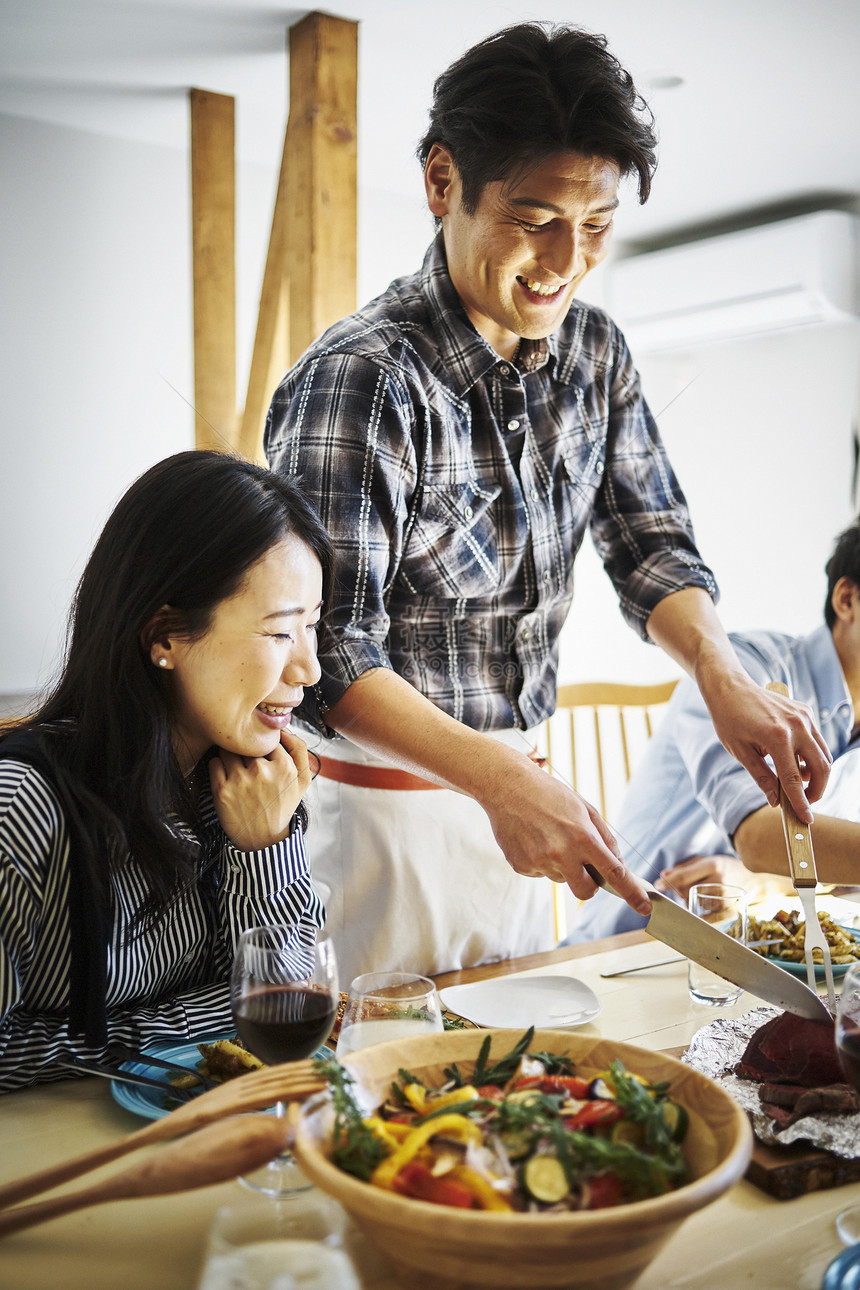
[151,809]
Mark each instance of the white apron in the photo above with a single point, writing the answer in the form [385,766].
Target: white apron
[413,880]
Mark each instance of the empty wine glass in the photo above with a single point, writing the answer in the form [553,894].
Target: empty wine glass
[848,1050]
[388,1005]
[284,997]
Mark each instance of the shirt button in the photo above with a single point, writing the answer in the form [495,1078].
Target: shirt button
[505,370]
[468,512]
[533,493]
[546,575]
[513,425]
[526,634]
[599,468]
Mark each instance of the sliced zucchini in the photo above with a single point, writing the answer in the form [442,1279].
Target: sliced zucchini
[517,1143]
[676,1119]
[627,1131]
[545,1179]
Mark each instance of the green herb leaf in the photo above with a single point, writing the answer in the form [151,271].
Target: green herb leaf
[355,1148]
[487,1072]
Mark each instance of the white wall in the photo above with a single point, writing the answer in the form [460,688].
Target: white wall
[95,352]
[760,435]
[94,333]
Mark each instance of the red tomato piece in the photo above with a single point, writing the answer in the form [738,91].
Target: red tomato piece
[491,1091]
[571,1085]
[417,1181]
[597,1111]
[604,1190]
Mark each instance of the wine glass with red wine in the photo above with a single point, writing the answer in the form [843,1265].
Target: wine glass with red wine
[848,1050]
[284,997]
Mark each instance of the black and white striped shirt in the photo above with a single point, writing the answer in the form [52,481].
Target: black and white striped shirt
[171,980]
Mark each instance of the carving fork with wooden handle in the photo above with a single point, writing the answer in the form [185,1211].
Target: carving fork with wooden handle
[801,865]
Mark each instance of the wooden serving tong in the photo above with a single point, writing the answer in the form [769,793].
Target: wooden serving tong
[801,865]
[256,1091]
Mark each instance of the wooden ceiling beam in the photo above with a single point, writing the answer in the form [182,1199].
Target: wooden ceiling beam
[310,274]
[322,244]
[213,241]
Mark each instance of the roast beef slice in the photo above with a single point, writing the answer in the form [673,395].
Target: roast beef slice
[834,1099]
[792,1050]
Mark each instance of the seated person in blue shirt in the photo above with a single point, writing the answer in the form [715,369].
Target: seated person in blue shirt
[151,809]
[691,815]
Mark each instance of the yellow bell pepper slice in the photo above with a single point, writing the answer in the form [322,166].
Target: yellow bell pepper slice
[465,1094]
[452,1125]
[416,1095]
[483,1191]
[390,1133]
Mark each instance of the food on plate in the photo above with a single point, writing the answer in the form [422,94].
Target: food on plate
[524,1133]
[790,930]
[795,1062]
[222,1060]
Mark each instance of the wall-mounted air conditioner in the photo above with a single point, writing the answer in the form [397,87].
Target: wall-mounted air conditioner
[798,272]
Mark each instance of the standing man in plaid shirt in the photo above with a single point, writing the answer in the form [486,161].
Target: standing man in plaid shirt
[458,435]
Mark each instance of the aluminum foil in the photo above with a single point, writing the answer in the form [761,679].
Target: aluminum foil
[715,1051]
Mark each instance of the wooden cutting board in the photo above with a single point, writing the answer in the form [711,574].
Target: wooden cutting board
[785,1172]
[790,1171]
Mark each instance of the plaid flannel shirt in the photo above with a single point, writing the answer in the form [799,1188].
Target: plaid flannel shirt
[458,486]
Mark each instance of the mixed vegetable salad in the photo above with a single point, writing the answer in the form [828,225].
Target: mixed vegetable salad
[518,1134]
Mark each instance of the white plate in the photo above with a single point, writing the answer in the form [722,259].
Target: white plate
[547,1002]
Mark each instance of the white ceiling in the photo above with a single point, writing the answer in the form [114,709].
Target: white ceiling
[768,115]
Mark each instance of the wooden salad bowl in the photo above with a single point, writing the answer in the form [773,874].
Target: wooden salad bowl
[431,1247]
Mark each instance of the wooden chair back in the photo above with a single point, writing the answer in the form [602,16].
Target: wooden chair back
[594,742]
[614,709]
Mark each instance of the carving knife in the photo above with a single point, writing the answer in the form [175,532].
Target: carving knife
[699,941]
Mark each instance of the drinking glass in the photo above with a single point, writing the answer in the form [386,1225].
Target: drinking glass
[726,907]
[848,1051]
[256,1243]
[388,1005]
[284,997]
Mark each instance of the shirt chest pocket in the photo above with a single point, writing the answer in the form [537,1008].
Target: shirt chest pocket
[452,550]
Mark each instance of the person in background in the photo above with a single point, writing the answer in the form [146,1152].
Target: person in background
[151,809]
[691,815]
[459,435]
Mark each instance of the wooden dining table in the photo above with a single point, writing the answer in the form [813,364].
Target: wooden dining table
[746,1239]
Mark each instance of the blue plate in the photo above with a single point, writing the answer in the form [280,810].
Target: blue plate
[151,1103]
[799,969]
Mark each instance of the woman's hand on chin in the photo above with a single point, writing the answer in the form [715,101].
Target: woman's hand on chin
[256,797]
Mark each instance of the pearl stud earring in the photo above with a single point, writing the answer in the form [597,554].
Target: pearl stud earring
[162,662]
